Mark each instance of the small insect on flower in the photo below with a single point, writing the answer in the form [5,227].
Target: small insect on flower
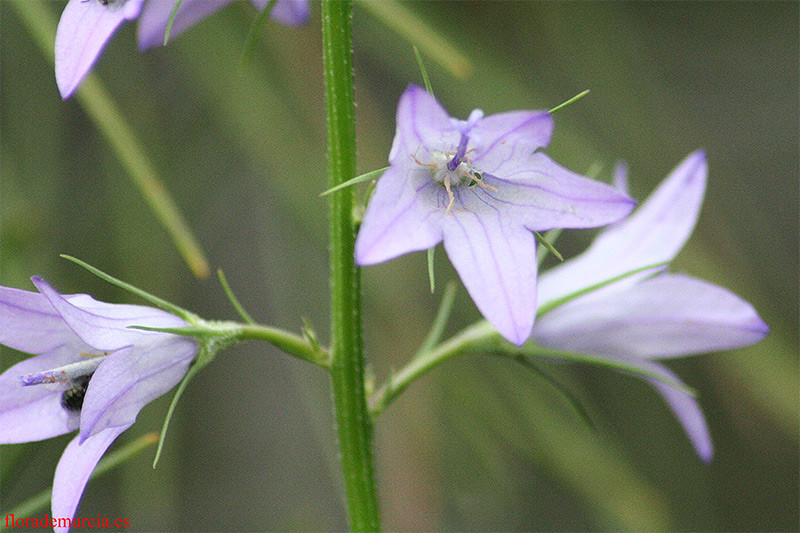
[72,398]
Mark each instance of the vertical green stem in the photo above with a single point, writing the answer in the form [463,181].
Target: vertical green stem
[347,365]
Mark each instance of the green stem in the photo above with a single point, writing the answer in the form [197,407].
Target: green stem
[347,365]
[481,336]
[288,342]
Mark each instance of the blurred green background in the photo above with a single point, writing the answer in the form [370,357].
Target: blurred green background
[479,444]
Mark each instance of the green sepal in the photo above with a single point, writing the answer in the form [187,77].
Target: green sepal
[233,299]
[423,70]
[533,350]
[572,400]
[171,21]
[570,101]
[375,174]
[252,35]
[440,321]
[155,300]
[431,273]
[547,244]
[543,309]
[204,357]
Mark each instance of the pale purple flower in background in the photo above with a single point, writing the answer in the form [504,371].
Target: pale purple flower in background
[482,186]
[640,320]
[87,25]
[91,373]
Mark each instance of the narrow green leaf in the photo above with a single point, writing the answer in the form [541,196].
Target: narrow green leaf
[570,101]
[252,35]
[171,20]
[199,363]
[439,323]
[155,300]
[547,240]
[431,273]
[233,299]
[549,306]
[570,398]
[423,70]
[375,174]
[546,243]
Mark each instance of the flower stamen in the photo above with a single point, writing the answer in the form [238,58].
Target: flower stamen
[64,374]
[451,171]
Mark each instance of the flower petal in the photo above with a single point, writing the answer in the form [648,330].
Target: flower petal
[29,323]
[73,471]
[683,405]
[399,218]
[83,31]
[653,234]
[542,195]
[154,19]
[687,411]
[497,263]
[131,378]
[105,326]
[34,413]
[510,136]
[423,125]
[666,316]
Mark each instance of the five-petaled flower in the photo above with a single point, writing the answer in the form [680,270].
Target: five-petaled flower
[643,318]
[482,186]
[92,372]
[87,25]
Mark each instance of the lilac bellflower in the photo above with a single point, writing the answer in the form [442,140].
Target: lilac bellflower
[87,25]
[482,186]
[91,373]
[644,318]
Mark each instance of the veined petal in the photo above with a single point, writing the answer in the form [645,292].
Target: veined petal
[687,411]
[509,136]
[683,405]
[29,323]
[34,413]
[666,316]
[131,378]
[422,125]
[156,14]
[73,471]
[105,326]
[288,12]
[653,234]
[399,218]
[83,31]
[542,195]
[497,264]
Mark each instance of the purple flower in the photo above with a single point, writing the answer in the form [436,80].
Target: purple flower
[91,373]
[641,319]
[482,186]
[87,25]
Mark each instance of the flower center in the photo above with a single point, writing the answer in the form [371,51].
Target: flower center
[446,167]
[453,169]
